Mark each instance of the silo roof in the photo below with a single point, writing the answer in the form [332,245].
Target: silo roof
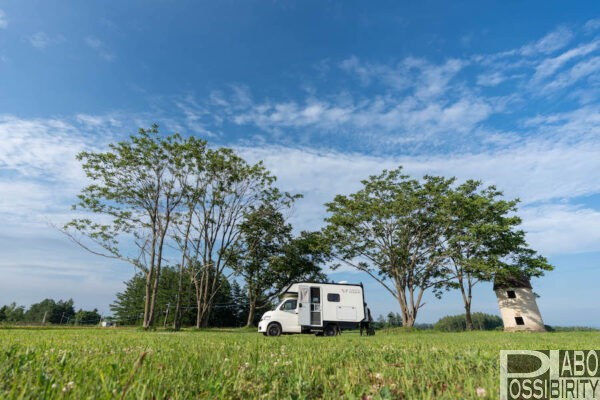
[512,281]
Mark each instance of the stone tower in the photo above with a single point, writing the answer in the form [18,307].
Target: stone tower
[517,304]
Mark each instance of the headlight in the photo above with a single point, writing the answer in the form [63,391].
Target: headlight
[266,317]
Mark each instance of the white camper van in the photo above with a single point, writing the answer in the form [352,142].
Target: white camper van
[321,308]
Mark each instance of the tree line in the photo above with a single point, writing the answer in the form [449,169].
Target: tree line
[196,216]
[231,306]
[49,311]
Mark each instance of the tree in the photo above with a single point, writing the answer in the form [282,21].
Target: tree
[83,317]
[269,259]
[128,307]
[135,190]
[457,323]
[48,310]
[12,313]
[484,241]
[394,230]
[240,304]
[223,314]
[224,189]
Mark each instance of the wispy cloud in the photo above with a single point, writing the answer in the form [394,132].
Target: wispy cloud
[550,43]
[523,172]
[42,40]
[3,20]
[100,47]
[195,116]
[592,25]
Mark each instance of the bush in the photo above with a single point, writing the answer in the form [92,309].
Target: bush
[458,323]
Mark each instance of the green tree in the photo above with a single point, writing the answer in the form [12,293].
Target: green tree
[83,317]
[223,311]
[394,229]
[240,304]
[134,193]
[457,323]
[484,241]
[269,260]
[48,310]
[224,189]
[128,307]
[12,313]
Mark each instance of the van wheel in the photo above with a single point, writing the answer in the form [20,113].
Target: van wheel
[274,329]
[330,330]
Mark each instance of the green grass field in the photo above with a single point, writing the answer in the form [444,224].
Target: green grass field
[109,363]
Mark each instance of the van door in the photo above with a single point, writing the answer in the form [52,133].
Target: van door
[315,306]
[304,305]
[309,307]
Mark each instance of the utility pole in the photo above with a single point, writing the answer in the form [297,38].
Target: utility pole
[61,318]
[44,319]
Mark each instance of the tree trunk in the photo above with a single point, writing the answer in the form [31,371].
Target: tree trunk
[251,310]
[408,314]
[198,304]
[157,275]
[177,318]
[147,299]
[467,297]
[468,316]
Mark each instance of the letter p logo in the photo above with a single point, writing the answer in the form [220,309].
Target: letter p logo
[518,368]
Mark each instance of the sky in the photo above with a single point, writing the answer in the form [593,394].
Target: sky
[326,93]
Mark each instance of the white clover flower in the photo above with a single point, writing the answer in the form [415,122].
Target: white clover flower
[480,392]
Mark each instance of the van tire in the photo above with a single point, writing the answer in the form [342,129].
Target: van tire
[274,329]
[331,330]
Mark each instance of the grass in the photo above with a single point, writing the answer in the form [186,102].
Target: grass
[127,363]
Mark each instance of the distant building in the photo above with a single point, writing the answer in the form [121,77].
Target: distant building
[517,304]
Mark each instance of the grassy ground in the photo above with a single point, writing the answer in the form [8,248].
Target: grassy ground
[110,363]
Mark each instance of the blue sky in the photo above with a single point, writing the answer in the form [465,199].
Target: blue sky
[326,93]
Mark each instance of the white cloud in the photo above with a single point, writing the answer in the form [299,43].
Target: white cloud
[592,25]
[550,43]
[562,229]
[581,70]
[539,172]
[100,47]
[195,116]
[549,66]
[38,148]
[491,79]
[41,40]
[3,20]
[427,80]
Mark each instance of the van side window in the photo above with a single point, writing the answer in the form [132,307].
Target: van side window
[289,305]
[334,297]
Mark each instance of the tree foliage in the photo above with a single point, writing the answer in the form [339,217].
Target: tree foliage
[394,230]
[135,191]
[457,323]
[269,259]
[50,311]
[484,241]
[417,235]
